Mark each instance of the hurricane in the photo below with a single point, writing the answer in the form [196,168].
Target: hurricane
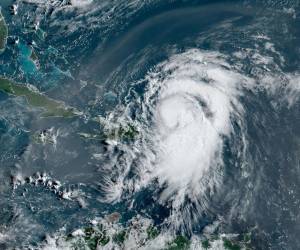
[191,105]
[149,124]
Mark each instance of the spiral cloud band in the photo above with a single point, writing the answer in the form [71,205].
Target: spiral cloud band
[187,111]
[193,108]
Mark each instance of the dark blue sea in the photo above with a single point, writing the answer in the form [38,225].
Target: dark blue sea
[185,131]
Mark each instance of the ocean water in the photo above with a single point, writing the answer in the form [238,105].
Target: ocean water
[188,123]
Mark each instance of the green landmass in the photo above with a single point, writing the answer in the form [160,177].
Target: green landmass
[152,232]
[206,244]
[125,132]
[109,233]
[96,237]
[247,238]
[36,99]
[3,32]
[230,245]
[33,56]
[179,243]
[120,237]
[122,133]
[92,238]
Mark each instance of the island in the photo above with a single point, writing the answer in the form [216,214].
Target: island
[3,33]
[34,98]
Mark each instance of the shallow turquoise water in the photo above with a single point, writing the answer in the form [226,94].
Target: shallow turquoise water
[125,66]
